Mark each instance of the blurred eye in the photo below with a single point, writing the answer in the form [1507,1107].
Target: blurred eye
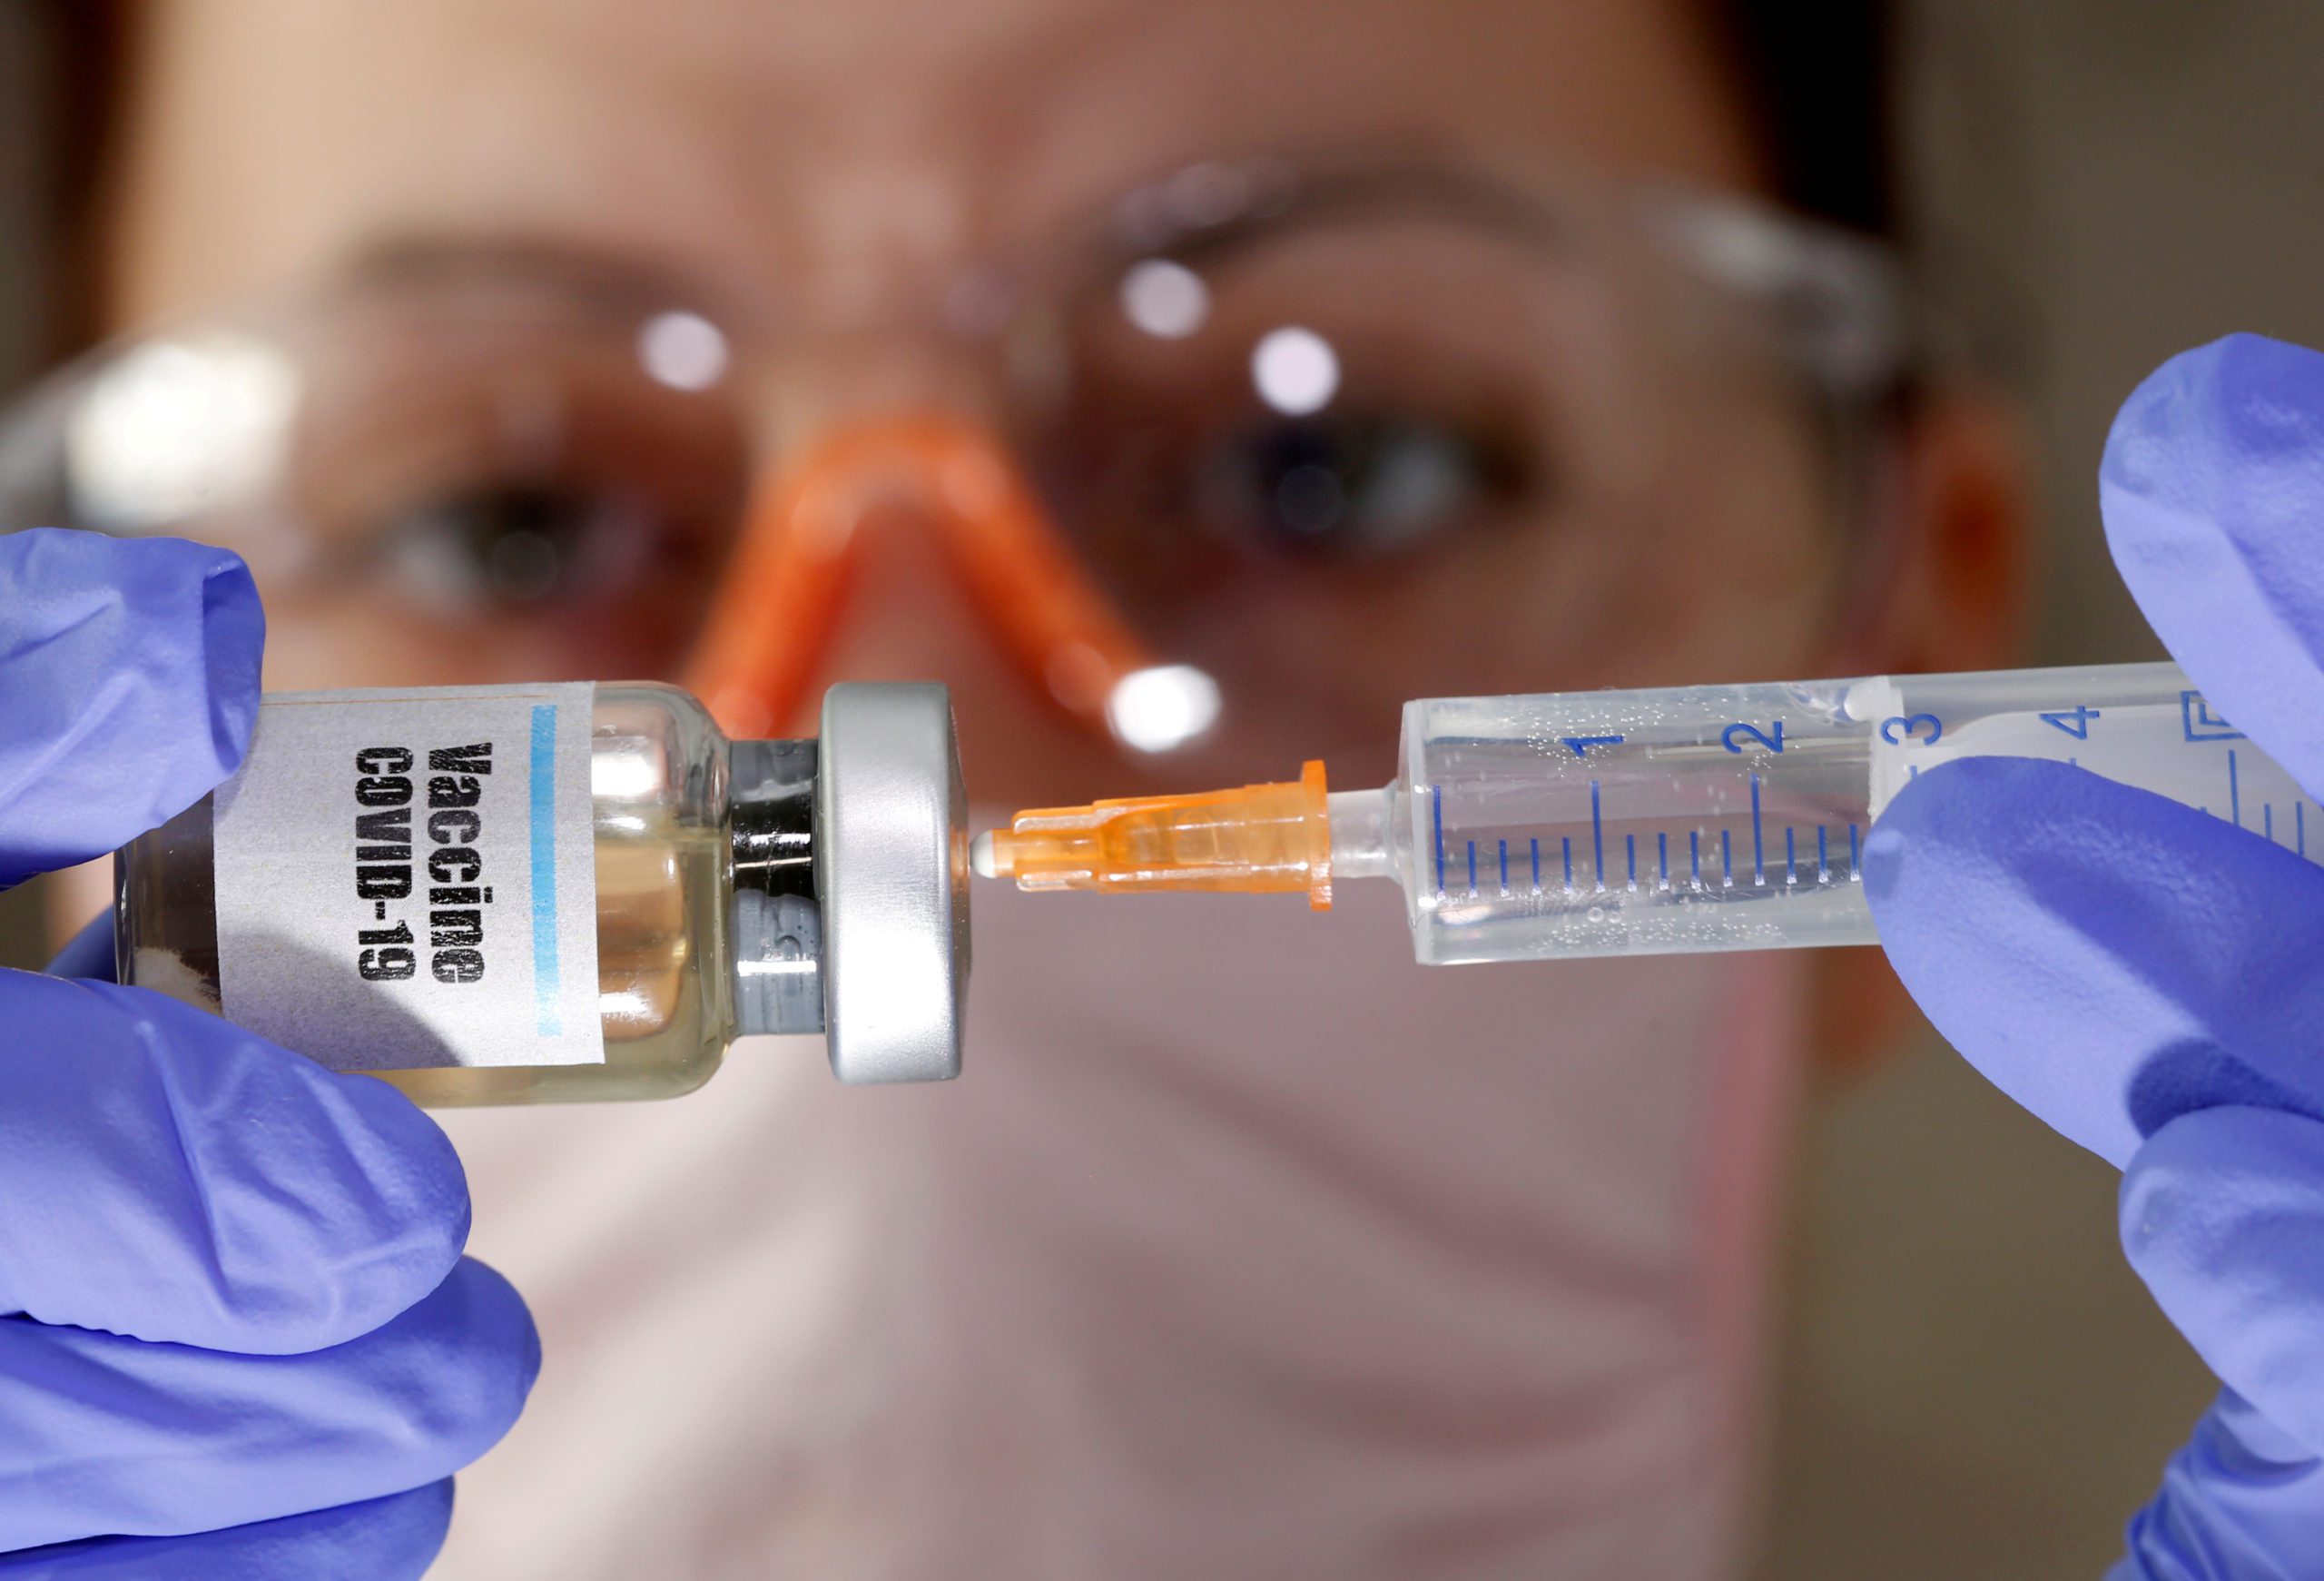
[1352,485]
[523,543]
[512,475]
[1302,400]
[499,468]
[1180,475]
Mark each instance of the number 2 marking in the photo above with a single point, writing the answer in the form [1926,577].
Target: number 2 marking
[1771,738]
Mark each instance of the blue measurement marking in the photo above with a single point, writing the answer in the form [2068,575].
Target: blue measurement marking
[1855,865]
[2268,819]
[1565,845]
[1727,857]
[1436,811]
[1473,867]
[1597,836]
[1770,739]
[1758,852]
[1536,845]
[1823,856]
[1790,857]
[2234,791]
[1629,844]
[1695,855]
[1662,857]
[2197,723]
[2074,721]
[1504,867]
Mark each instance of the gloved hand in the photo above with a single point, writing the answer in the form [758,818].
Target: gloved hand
[241,1340]
[2148,977]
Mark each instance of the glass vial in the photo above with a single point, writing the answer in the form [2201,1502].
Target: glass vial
[738,887]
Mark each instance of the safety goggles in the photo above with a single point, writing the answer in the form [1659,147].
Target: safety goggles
[1312,429]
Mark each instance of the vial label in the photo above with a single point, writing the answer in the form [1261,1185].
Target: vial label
[407,879]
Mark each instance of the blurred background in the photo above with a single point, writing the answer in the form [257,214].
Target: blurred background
[1971,1381]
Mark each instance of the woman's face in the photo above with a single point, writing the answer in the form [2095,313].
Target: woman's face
[1531,467]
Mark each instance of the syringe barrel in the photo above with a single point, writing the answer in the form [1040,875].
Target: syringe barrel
[1733,817]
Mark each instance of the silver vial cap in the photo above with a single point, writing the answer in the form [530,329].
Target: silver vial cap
[891,874]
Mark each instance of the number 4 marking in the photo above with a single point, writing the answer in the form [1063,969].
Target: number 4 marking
[2074,721]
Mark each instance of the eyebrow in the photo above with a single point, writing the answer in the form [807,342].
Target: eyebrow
[604,279]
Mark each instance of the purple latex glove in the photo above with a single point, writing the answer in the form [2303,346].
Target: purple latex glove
[106,644]
[2149,978]
[239,1339]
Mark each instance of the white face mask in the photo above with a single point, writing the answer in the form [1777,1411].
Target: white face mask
[1244,1247]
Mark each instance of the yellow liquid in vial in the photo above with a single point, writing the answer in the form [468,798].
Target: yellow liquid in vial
[661,996]
[661,926]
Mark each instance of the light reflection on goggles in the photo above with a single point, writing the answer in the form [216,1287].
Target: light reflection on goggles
[1254,408]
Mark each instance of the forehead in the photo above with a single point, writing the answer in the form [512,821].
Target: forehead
[752,139]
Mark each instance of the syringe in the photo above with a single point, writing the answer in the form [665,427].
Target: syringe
[1655,821]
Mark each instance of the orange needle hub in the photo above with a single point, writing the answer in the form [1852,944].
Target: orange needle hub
[1259,839]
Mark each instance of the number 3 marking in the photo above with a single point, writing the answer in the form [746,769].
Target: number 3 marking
[1906,728]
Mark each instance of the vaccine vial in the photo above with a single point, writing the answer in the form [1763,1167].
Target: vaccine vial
[519,894]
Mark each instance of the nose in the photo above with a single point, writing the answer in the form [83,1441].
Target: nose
[772,625]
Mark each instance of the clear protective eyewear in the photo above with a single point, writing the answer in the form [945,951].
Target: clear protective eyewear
[1319,432]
